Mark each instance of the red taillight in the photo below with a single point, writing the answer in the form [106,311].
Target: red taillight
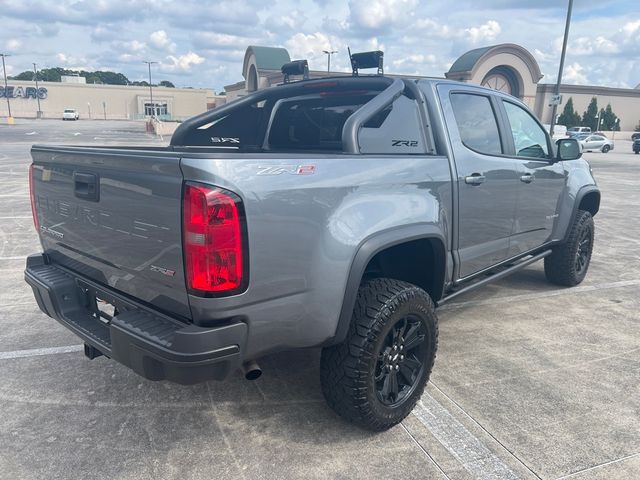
[213,241]
[32,195]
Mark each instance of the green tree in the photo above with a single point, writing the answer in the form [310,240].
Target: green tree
[610,120]
[26,75]
[167,83]
[569,117]
[590,116]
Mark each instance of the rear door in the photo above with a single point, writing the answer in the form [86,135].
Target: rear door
[487,178]
[114,216]
[541,179]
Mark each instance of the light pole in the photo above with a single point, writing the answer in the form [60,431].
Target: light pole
[153,107]
[564,50]
[6,91]
[35,75]
[329,53]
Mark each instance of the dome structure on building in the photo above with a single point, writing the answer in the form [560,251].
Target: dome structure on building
[258,58]
[506,67]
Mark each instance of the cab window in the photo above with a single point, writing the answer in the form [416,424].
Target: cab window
[528,136]
[476,123]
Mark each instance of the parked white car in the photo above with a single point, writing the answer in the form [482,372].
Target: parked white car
[559,131]
[593,143]
[70,114]
[573,131]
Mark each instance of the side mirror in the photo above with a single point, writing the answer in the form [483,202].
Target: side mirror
[568,149]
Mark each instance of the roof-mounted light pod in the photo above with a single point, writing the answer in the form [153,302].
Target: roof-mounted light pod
[373,59]
[297,67]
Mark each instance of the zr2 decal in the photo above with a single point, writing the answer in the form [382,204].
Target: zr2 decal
[234,140]
[404,143]
[289,169]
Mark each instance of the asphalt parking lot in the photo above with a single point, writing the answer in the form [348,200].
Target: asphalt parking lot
[531,380]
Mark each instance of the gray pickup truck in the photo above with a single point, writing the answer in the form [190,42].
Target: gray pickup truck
[333,213]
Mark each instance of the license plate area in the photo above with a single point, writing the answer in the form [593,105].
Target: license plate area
[99,304]
[105,311]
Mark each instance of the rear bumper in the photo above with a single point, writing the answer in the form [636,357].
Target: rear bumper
[152,344]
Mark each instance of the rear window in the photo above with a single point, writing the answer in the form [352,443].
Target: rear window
[313,123]
[68,111]
[311,118]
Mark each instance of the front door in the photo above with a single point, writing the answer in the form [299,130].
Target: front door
[541,180]
[487,179]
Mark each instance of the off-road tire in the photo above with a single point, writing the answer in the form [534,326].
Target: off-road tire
[562,267]
[348,370]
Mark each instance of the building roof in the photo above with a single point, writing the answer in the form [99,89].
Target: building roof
[464,67]
[267,58]
[468,60]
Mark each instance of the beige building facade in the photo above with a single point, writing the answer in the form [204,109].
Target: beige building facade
[111,102]
[507,67]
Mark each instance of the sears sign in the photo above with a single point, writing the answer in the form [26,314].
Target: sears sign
[23,92]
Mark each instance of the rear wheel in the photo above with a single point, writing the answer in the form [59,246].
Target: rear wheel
[376,376]
[568,263]
[606,148]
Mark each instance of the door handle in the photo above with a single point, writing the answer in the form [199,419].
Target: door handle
[527,178]
[474,179]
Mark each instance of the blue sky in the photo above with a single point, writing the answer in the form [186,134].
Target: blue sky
[201,43]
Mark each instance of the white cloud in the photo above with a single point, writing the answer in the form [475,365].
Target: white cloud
[161,41]
[486,32]
[213,40]
[136,46]
[431,28]
[591,46]
[415,58]
[574,73]
[310,46]
[13,45]
[378,14]
[182,63]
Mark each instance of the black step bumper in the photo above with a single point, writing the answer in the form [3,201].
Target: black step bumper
[152,344]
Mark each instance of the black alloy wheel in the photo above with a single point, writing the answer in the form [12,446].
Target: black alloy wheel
[583,252]
[399,363]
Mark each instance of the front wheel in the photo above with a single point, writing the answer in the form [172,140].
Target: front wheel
[568,263]
[376,376]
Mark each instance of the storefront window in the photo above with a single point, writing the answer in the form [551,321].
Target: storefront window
[156,108]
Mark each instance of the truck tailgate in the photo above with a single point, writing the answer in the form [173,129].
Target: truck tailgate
[114,216]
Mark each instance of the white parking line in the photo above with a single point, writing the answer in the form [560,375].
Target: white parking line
[617,460]
[22,257]
[35,352]
[474,456]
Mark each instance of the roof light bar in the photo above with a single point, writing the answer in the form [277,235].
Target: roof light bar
[297,67]
[373,59]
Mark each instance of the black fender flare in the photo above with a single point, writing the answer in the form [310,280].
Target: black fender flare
[375,244]
[583,192]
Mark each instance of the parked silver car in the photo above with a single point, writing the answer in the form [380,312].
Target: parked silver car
[595,142]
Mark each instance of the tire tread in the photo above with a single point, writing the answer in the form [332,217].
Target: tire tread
[344,367]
